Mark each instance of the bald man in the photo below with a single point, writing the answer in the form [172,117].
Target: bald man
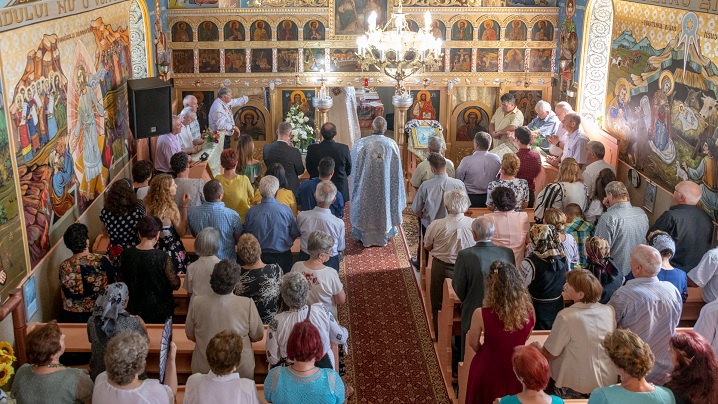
[689,225]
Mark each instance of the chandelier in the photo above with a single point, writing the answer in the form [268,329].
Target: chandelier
[396,51]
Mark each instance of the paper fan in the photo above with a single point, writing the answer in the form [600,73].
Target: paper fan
[165,347]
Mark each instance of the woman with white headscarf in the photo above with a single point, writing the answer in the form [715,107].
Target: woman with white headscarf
[109,317]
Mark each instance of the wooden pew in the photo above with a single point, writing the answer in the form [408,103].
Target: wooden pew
[692,307]
[76,341]
[539,336]
[179,398]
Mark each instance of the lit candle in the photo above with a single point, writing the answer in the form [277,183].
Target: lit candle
[372,21]
[427,21]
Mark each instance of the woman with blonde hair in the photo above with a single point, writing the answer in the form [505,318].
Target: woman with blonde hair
[634,360]
[246,163]
[602,266]
[160,202]
[510,165]
[568,188]
[506,320]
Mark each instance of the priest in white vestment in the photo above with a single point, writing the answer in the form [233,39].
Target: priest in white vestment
[377,188]
[343,114]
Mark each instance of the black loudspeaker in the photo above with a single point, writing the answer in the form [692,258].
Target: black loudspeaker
[150,105]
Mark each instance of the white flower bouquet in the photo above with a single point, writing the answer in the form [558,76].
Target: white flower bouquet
[302,132]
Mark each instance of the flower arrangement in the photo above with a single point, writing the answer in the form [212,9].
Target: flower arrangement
[302,132]
[210,135]
[7,358]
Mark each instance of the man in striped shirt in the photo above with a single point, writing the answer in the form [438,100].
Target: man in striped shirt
[650,308]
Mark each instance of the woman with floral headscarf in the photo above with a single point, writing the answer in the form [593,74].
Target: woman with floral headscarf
[544,272]
[109,318]
[602,266]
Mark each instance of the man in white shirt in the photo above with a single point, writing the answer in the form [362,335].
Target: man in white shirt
[220,114]
[321,218]
[705,275]
[187,117]
[575,145]
[562,108]
[707,324]
[191,101]
[594,157]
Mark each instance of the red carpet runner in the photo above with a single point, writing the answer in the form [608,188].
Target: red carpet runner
[391,357]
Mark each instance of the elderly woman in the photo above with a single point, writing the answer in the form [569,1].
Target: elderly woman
[284,195]
[223,310]
[303,381]
[533,372]
[578,364]
[206,245]
[326,288]
[149,275]
[222,384]
[506,320]
[634,360]
[695,373]
[544,272]
[510,164]
[125,360]
[258,281]
[238,191]
[511,226]
[120,215]
[602,266]
[295,293]
[83,276]
[568,188]
[595,207]
[43,379]
[109,319]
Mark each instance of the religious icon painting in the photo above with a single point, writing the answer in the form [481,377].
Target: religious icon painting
[181,32]
[526,102]
[413,25]
[183,61]
[352,16]
[235,61]
[287,31]
[470,120]
[234,31]
[251,121]
[460,60]
[426,105]
[462,31]
[513,60]
[487,60]
[314,30]
[287,60]
[542,31]
[260,31]
[489,31]
[516,31]
[204,103]
[344,60]
[314,60]
[207,32]
[438,29]
[261,60]
[540,60]
[301,99]
[208,60]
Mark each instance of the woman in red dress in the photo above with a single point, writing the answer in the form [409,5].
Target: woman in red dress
[506,320]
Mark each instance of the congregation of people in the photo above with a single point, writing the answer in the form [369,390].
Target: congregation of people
[584,242]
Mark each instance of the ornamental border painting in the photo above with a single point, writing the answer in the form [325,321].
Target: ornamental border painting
[351,16]
[426,106]
[661,97]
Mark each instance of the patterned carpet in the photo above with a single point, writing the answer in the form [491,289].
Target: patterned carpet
[391,357]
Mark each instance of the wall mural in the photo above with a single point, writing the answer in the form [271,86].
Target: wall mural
[662,91]
[68,107]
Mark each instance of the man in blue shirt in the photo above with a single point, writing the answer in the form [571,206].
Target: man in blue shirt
[213,213]
[273,225]
[546,122]
[305,195]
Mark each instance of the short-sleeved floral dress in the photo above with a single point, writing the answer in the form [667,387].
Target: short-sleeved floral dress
[83,279]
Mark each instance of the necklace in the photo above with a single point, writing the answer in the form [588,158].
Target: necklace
[52,365]
[303,371]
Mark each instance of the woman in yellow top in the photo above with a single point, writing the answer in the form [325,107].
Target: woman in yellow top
[284,196]
[237,188]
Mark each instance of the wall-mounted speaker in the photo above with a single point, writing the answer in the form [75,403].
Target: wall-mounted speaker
[150,105]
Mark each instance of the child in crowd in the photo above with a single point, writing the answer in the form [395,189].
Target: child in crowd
[580,229]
